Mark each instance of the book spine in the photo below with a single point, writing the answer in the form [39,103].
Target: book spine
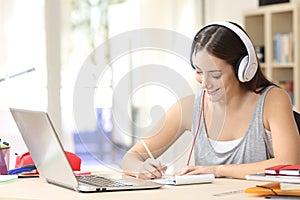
[283,48]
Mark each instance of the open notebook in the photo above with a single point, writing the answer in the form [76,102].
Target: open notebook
[48,155]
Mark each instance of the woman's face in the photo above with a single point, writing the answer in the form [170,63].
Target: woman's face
[215,75]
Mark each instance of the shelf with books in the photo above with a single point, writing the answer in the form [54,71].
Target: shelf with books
[283,48]
[275,32]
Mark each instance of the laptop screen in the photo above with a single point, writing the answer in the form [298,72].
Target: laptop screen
[44,146]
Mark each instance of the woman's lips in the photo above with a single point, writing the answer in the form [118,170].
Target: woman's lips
[212,92]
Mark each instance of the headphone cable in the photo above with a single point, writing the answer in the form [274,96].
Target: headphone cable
[197,131]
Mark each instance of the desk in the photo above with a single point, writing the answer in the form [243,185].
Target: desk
[38,188]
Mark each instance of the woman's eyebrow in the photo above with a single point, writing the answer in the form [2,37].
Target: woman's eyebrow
[212,71]
[215,70]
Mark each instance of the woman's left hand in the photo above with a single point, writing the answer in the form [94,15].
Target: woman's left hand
[194,170]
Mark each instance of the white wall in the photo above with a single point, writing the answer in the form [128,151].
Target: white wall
[231,10]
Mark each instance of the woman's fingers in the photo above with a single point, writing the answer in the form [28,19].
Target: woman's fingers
[151,169]
[185,171]
[194,170]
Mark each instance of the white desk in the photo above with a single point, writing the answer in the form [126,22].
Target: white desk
[37,188]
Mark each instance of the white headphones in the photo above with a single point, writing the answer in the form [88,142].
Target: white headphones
[247,65]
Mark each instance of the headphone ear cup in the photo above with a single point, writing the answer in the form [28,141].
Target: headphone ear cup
[242,65]
[246,71]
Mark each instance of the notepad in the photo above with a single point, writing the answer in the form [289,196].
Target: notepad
[185,179]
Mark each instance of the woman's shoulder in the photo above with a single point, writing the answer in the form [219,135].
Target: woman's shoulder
[277,98]
[277,94]
[278,108]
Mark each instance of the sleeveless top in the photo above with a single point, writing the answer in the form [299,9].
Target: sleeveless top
[255,146]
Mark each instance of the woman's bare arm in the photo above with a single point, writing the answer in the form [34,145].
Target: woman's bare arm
[177,119]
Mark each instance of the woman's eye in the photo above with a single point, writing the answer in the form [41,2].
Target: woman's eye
[199,72]
[216,75]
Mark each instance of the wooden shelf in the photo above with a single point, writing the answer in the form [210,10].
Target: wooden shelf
[283,65]
[262,25]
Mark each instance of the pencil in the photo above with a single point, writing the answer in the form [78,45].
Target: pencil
[147,149]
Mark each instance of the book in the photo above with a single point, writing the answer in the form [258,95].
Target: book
[283,48]
[289,186]
[273,178]
[291,170]
[287,170]
[274,169]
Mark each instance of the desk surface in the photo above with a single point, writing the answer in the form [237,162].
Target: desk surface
[37,188]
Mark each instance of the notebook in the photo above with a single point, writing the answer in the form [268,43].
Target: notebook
[186,179]
[48,155]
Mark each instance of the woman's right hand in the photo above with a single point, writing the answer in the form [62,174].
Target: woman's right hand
[151,169]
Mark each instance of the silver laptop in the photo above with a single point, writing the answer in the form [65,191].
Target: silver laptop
[48,155]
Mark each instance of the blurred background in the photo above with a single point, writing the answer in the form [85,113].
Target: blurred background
[44,43]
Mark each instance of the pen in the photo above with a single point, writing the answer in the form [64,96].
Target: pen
[147,149]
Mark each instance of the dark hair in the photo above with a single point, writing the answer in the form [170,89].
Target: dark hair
[223,43]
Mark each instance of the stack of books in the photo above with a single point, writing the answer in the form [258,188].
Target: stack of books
[279,173]
[285,181]
[290,175]
[287,175]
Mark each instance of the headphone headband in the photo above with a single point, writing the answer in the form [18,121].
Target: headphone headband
[248,66]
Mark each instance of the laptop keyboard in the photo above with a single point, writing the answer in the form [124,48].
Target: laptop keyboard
[100,181]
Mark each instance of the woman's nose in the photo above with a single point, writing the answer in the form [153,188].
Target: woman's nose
[203,79]
[205,82]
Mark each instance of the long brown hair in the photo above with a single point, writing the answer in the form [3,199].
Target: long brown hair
[223,43]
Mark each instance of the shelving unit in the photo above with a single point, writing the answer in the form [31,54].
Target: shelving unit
[262,25]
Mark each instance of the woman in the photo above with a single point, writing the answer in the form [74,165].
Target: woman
[242,123]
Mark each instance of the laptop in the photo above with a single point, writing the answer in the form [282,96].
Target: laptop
[49,157]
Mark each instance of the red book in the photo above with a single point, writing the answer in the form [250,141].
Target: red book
[292,170]
[274,170]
